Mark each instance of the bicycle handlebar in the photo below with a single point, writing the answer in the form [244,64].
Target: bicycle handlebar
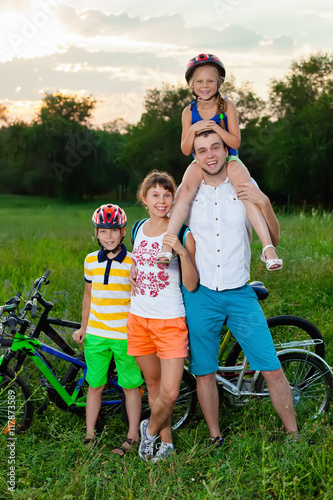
[11,304]
[11,323]
[36,297]
[39,282]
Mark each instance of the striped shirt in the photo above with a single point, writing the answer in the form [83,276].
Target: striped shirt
[110,293]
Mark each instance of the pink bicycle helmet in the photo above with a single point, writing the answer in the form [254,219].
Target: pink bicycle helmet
[202,59]
[109,217]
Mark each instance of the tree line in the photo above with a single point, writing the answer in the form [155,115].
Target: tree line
[287,141]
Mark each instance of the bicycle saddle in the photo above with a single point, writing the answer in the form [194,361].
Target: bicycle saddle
[260,289]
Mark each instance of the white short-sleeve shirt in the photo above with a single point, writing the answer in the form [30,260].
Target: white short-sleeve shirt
[222,233]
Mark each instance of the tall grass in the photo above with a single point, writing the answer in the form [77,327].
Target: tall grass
[255,462]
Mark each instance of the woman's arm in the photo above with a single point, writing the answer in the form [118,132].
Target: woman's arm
[190,276]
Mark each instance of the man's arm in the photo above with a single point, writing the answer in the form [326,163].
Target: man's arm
[249,191]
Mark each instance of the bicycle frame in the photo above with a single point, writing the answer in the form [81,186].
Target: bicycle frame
[30,345]
[240,370]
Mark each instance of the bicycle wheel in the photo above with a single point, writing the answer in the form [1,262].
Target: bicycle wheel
[310,381]
[5,342]
[285,329]
[185,404]
[111,396]
[26,368]
[16,407]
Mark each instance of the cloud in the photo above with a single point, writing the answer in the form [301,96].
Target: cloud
[116,57]
[18,5]
[101,74]
[170,30]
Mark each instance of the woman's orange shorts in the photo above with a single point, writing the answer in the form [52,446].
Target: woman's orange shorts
[167,338]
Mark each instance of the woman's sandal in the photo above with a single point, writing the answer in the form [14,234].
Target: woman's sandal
[164,257]
[124,449]
[271,262]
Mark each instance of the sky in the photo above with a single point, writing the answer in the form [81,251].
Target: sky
[115,50]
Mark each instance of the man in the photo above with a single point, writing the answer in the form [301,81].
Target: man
[217,219]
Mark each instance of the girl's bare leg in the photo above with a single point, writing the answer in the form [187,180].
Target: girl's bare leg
[237,174]
[189,186]
[163,378]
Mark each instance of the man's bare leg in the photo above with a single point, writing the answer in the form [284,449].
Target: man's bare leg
[282,399]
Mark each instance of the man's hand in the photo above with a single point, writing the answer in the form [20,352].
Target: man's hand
[249,191]
[79,335]
[173,241]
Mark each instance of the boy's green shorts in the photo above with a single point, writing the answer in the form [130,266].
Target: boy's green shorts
[98,353]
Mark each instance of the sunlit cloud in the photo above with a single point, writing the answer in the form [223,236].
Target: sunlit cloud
[117,50]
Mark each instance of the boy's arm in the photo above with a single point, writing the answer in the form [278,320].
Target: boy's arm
[249,191]
[79,334]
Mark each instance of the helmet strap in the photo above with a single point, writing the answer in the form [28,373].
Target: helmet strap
[106,251]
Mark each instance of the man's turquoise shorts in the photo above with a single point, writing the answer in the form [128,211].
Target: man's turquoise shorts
[206,312]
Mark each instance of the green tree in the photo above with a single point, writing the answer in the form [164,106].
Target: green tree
[68,143]
[306,82]
[3,114]
[70,108]
[299,146]
[249,106]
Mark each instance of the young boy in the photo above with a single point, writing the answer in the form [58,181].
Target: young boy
[103,329]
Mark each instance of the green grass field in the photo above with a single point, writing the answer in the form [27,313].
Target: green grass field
[255,462]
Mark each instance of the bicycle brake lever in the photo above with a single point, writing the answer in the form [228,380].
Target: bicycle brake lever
[34,308]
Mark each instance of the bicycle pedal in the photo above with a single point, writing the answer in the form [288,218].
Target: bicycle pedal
[45,383]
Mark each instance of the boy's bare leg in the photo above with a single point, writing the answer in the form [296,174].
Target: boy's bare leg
[133,409]
[94,401]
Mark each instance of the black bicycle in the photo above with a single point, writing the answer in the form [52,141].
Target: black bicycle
[69,392]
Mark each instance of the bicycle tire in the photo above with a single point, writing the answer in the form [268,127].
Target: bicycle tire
[185,404]
[31,374]
[310,381]
[15,403]
[5,342]
[294,328]
[110,394]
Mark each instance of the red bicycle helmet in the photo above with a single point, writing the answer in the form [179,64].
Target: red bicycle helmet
[202,59]
[109,217]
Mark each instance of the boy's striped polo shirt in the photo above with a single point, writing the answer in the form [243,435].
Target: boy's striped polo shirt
[110,293]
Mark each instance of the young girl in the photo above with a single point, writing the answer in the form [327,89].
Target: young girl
[205,75]
[156,326]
